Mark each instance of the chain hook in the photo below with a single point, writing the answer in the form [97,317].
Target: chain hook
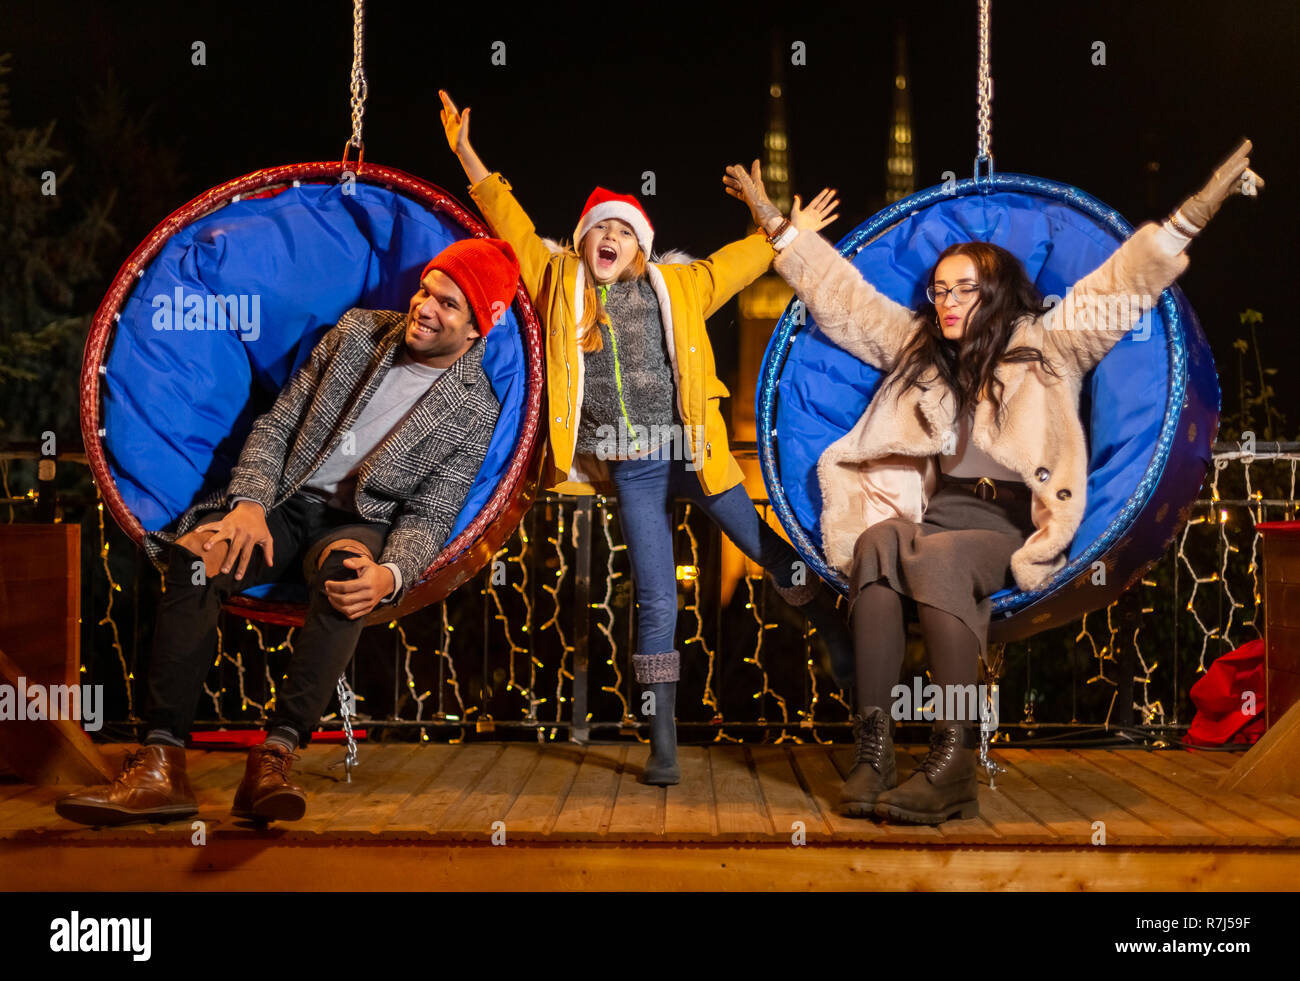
[361,156]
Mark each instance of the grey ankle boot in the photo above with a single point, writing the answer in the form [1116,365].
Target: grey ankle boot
[659,673]
[874,770]
[944,786]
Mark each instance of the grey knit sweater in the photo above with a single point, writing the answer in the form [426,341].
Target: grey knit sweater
[635,352]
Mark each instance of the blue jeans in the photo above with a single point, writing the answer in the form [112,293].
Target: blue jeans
[646,491]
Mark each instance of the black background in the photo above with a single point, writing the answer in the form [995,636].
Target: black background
[599,93]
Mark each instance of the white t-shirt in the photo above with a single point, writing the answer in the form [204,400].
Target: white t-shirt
[406,382]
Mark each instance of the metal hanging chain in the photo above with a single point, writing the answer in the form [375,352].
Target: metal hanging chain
[984,93]
[346,708]
[988,723]
[358,70]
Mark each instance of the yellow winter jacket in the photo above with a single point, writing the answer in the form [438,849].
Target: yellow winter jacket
[688,294]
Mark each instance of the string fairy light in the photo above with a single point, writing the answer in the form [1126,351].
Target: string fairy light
[1102,654]
[708,698]
[607,628]
[407,650]
[444,651]
[556,541]
[1236,559]
[266,666]
[114,587]
[512,682]
[1149,710]
[756,659]
[216,695]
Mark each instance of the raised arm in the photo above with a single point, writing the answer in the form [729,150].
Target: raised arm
[851,312]
[1107,303]
[491,192]
[456,125]
[848,309]
[730,269]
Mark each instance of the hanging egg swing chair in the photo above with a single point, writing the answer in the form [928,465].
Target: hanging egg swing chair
[165,407]
[1150,408]
[170,389]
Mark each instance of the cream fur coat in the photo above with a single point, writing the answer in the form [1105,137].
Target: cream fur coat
[886,465]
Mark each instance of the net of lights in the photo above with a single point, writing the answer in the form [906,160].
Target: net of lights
[1232,586]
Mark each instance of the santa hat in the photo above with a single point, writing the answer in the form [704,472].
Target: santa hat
[604,204]
[486,271]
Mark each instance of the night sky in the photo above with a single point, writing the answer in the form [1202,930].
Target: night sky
[602,95]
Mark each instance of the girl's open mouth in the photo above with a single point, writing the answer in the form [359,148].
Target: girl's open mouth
[606,254]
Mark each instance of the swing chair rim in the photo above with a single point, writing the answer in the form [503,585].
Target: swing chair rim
[1007,608]
[459,559]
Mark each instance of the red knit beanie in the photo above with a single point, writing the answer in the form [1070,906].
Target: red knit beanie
[486,271]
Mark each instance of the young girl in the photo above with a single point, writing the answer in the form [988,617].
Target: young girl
[633,400]
[970,463]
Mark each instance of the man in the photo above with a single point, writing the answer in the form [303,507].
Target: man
[361,489]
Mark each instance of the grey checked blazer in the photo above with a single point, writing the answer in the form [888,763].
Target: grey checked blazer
[416,480]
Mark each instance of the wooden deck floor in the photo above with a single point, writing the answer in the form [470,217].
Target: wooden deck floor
[1165,824]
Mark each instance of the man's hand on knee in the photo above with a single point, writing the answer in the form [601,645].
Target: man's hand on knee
[357,597]
[245,529]
[192,542]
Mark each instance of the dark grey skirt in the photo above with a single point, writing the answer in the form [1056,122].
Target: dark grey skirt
[956,557]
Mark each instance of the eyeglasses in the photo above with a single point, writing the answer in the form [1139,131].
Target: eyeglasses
[964,294]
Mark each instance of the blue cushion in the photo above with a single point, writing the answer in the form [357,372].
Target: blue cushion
[177,405]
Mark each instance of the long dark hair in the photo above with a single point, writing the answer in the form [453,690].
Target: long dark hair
[966,366]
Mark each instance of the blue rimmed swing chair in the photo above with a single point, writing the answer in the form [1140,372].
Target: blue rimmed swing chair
[166,402]
[1150,408]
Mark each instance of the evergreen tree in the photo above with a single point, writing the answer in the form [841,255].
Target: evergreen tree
[47,253]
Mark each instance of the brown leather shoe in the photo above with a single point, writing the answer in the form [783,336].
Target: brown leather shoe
[265,793]
[945,785]
[152,786]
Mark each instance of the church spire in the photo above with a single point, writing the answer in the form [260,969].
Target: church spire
[776,153]
[900,179]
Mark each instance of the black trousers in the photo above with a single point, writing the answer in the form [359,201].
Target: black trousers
[186,633]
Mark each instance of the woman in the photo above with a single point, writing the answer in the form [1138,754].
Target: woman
[633,400]
[969,467]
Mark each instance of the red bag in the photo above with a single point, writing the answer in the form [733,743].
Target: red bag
[1221,711]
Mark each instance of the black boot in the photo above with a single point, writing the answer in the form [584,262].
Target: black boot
[874,770]
[659,673]
[944,785]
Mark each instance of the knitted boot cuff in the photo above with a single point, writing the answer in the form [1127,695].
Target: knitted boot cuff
[795,595]
[654,669]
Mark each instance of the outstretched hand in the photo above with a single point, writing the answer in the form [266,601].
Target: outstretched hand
[455,124]
[748,187]
[819,212]
[1233,176]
